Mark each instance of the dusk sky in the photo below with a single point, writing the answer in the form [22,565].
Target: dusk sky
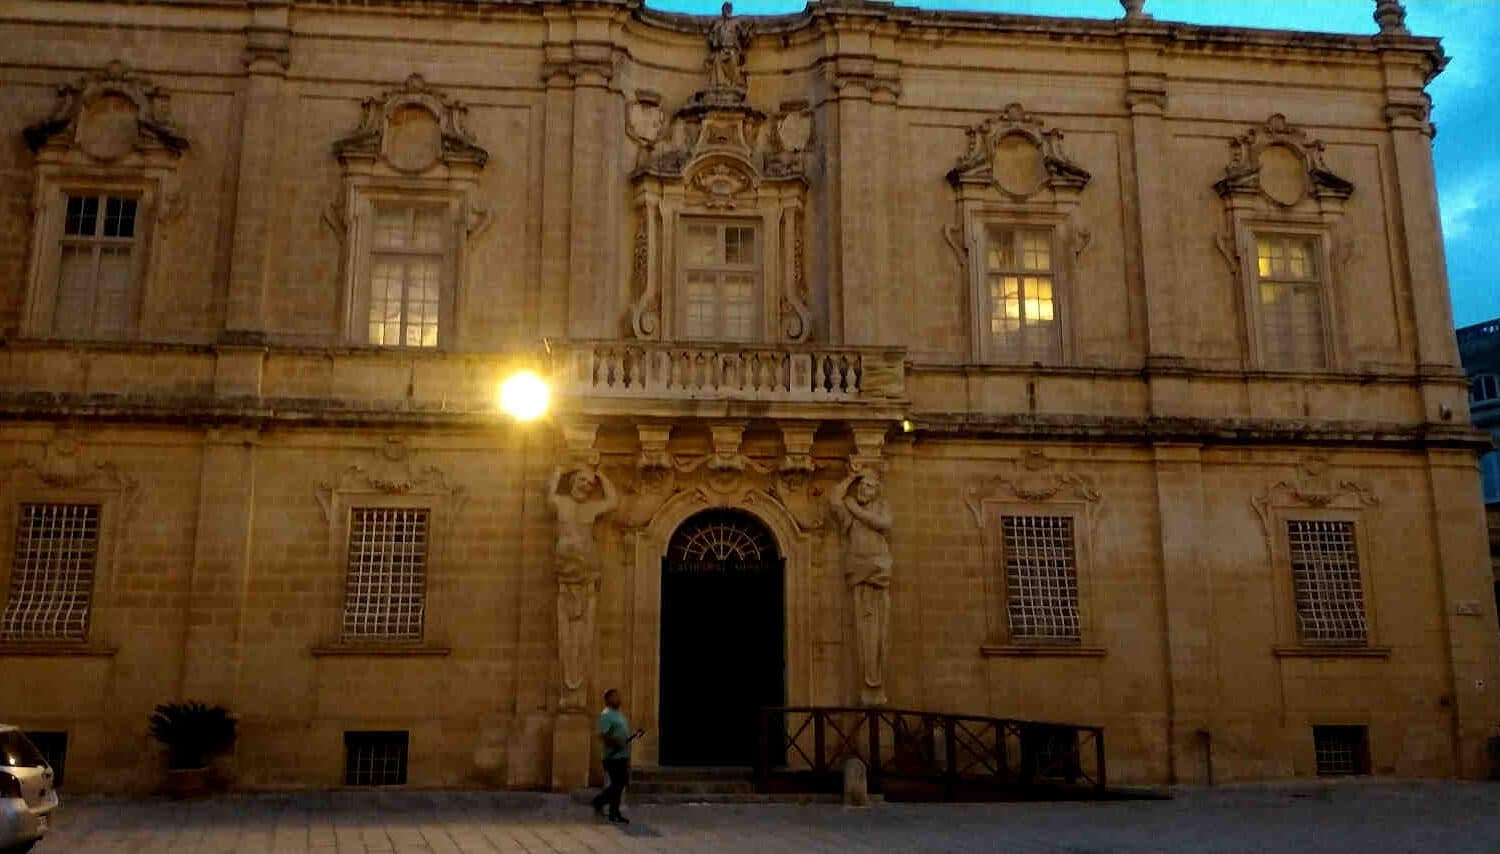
[1464,106]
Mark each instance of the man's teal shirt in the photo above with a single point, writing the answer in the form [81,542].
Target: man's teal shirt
[612,723]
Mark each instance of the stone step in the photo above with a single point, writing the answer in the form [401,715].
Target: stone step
[690,772]
[691,787]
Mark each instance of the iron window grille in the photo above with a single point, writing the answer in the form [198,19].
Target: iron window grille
[1041,578]
[386,590]
[1325,575]
[375,758]
[52,573]
[1341,750]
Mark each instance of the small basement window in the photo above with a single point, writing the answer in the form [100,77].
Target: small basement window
[54,748]
[375,758]
[1341,750]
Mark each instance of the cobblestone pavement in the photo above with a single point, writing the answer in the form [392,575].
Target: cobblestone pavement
[1353,817]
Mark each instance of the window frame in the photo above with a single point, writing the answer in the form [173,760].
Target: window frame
[1288,631]
[364,202]
[1000,637]
[49,236]
[113,504]
[1251,232]
[989,349]
[345,637]
[981,220]
[758,332]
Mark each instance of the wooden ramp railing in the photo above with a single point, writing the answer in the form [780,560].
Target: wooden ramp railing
[806,747]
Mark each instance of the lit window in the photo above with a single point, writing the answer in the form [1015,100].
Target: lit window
[1326,579]
[406,269]
[52,574]
[1041,578]
[1021,289]
[720,280]
[386,588]
[96,267]
[1289,295]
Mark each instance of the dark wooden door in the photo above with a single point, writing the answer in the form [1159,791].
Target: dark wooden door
[722,638]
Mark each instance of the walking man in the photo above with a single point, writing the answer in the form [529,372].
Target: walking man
[614,729]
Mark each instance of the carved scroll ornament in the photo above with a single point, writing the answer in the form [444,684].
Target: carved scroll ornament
[1015,152]
[1282,163]
[109,114]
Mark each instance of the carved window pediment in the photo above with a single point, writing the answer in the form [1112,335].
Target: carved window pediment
[411,159]
[1015,153]
[1281,199]
[718,156]
[412,129]
[109,148]
[107,116]
[1283,164]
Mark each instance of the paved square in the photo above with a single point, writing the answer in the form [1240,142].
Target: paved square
[1344,817]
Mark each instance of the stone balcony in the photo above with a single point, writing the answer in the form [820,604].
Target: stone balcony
[715,380]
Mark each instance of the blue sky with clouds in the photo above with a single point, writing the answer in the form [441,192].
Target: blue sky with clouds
[1467,150]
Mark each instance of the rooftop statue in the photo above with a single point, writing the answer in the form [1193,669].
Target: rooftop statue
[728,39]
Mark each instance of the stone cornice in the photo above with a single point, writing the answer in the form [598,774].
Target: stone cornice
[200,411]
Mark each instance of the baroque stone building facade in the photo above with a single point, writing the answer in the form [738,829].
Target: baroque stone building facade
[1078,370]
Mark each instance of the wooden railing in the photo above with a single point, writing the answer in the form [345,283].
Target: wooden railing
[950,753]
[737,372]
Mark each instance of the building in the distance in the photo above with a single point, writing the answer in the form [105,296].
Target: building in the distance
[1095,371]
[1479,351]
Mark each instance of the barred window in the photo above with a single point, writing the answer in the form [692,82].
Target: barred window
[387,583]
[1341,750]
[1041,578]
[1325,573]
[1289,288]
[375,758]
[1022,303]
[52,574]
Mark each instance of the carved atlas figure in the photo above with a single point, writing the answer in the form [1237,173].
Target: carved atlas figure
[577,509]
[864,518]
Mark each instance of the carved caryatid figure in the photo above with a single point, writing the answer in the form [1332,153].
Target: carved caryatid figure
[577,570]
[864,517]
[728,39]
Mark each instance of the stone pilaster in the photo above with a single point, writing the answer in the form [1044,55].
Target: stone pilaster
[267,60]
[1146,99]
[222,549]
[1467,600]
[1187,608]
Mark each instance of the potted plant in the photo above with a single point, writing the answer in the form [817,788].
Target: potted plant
[193,733]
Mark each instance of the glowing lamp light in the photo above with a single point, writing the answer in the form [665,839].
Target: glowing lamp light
[524,396]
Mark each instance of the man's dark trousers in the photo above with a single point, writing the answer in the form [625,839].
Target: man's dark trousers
[619,775]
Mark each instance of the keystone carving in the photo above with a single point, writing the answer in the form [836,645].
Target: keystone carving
[1035,481]
[1314,486]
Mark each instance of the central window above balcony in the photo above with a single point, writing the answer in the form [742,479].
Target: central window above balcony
[720,270]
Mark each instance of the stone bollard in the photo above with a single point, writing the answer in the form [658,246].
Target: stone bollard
[856,783]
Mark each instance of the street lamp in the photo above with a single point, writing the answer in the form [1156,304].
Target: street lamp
[524,396]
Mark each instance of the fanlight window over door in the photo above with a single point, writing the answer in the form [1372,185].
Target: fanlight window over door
[722,536]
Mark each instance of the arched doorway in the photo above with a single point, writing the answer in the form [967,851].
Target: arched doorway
[722,637]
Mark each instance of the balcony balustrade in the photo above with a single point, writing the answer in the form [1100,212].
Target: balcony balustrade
[749,372]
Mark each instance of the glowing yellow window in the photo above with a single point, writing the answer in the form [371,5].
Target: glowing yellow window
[1021,295]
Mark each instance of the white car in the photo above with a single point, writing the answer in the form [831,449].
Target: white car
[27,797]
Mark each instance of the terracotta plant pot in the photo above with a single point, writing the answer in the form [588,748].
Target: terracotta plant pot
[189,782]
